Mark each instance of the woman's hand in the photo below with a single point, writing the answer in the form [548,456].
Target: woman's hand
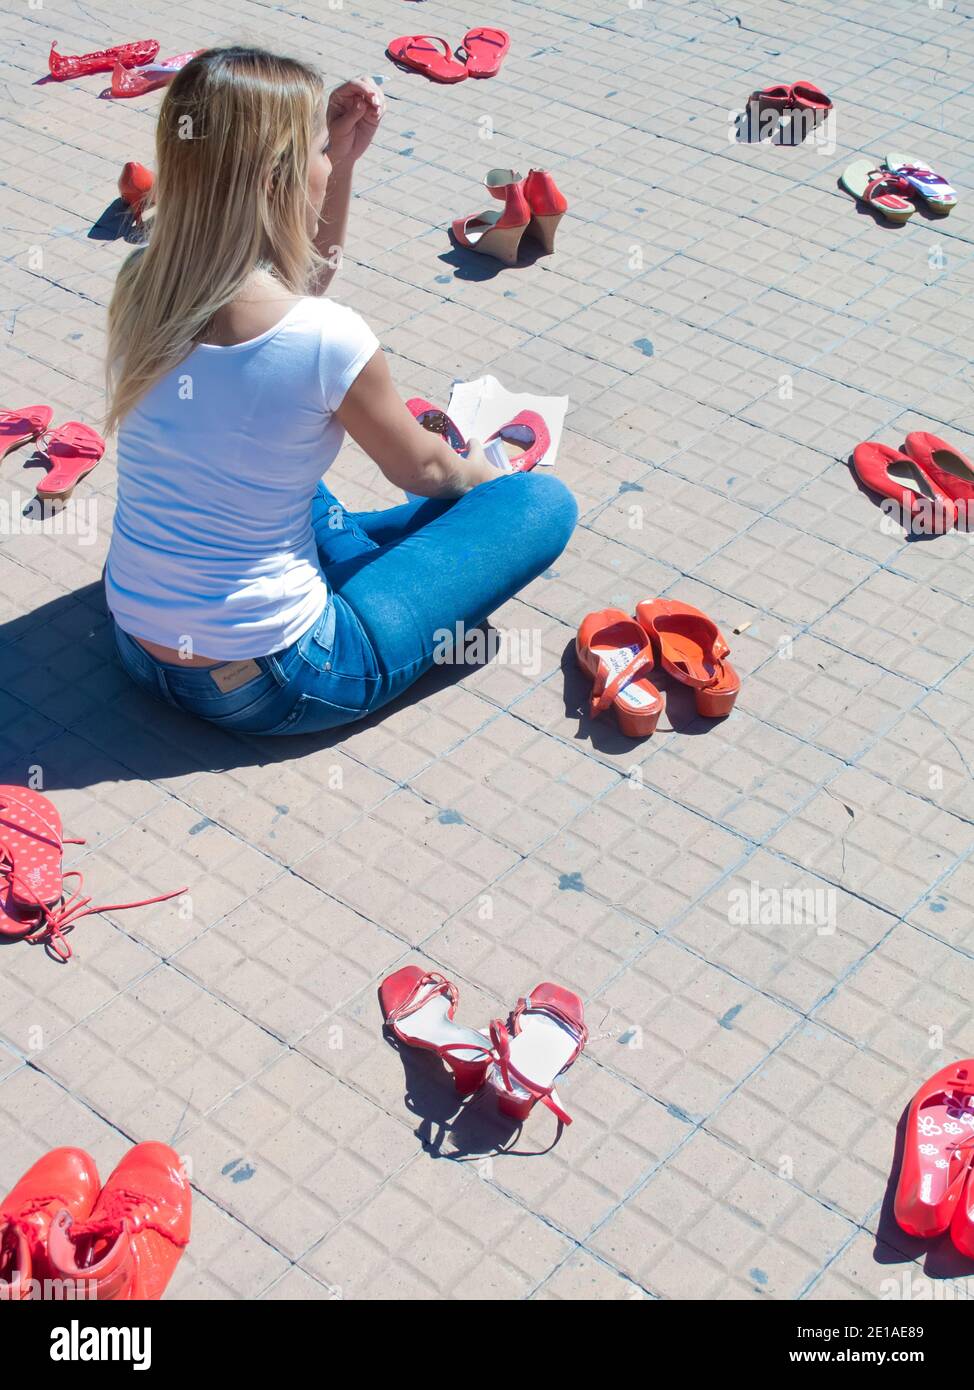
[353,115]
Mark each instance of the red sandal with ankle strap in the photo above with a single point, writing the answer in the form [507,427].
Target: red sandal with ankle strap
[130,55]
[691,649]
[129,1245]
[614,652]
[545,1034]
[63,1180]
[33,906]
[419,1007]
[937,1153]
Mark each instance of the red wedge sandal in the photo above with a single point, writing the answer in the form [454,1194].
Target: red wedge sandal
[692,650]
[545,200]
[419,1007]
[135,183]
[543,1037]
[74,450]
[19,427]
[613,650]
[495,233]
[937,1152]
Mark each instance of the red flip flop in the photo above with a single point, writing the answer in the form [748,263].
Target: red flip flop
[937,1151]
[419,52]
[528,436]
[485,50]
[774,98]
[692,650]
[947,468]
[901,477]
[74,450]
[19,426]
[130,55]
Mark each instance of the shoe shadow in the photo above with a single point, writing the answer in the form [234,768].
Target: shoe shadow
[471,265]
[116,223]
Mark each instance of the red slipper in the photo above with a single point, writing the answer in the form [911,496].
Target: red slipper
[432,418]
[528,440]
[889,473]
[936,1152]
[419,52]
[19,426]
[944,466]
[692,650]
[484,50]
[130,1244]
[74,450]
[64,1180]
[130,55]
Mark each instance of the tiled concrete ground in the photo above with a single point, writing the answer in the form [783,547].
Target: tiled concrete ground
[769,919]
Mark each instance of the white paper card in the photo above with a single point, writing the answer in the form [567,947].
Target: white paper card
[480,407]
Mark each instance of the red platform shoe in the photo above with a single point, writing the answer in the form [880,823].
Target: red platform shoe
[545,199]
[691,649]
[493,233]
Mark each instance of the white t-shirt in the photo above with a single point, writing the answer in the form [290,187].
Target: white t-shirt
[217,467]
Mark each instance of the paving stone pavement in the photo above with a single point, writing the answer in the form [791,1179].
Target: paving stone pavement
[769,919]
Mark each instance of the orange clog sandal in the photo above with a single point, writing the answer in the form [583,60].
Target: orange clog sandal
[130,1244]
[692,650]
[612,649]
[64,1180]
[937,1156]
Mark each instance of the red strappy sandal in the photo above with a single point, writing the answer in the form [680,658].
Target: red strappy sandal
[484,50]
[432,418]
[528,438]
[549,1032]
[692,650]
[937,1152]
[612,649]
[64,1180]
[420,52]
[74,450]
[418,1006]
[19,427]
[130,1244]
[904,479]
[495,233]
[130,55]
[33,907]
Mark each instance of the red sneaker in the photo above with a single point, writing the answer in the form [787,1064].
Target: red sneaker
[133,1239]
[937,1152]
[64,1180]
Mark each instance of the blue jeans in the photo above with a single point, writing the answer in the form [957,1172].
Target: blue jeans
[398,581]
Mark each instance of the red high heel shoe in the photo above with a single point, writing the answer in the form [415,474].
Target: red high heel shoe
[904,479]
[20,426]
[612,649]
[692,650]
[493,233]
[63,1180]
[73,451]
[135,183]
[549,1032]
[130,1244]
[130,55]
[136,84]
[418,1006]
[545,199]
[937,1153]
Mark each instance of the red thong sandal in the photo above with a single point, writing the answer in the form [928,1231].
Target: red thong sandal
[21,426]
[613,650]
[878,189]
[419,52]
[692,650]
[74,450]
[130,55]
[484,50]
[936,1151]
[546,1033]
[418,1006]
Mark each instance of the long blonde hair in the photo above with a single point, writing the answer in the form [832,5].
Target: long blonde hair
[233,145]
